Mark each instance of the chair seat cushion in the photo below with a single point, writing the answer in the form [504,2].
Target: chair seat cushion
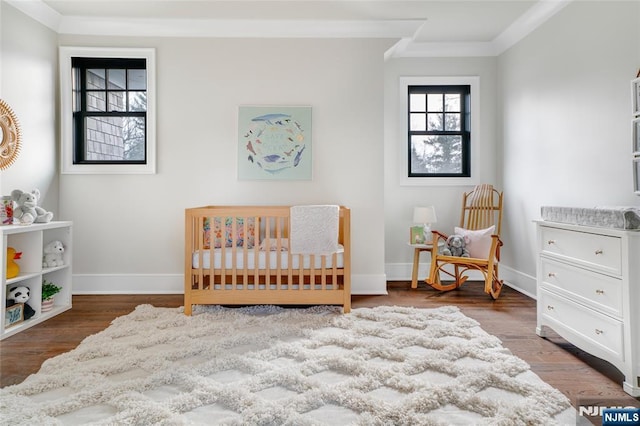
[478,241]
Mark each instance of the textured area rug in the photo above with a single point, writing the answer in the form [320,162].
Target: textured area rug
[274,366]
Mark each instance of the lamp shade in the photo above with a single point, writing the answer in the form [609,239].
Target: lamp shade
[424,215]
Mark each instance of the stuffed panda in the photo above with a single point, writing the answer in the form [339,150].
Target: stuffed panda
[20,294]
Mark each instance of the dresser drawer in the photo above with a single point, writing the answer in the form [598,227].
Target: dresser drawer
[599,330]
[602,252]
[600,291]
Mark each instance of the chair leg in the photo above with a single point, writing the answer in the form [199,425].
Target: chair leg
[492,284]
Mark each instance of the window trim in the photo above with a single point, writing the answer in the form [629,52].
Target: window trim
[475,146]
[66,127]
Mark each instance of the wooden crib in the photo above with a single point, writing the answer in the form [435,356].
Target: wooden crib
[238,255]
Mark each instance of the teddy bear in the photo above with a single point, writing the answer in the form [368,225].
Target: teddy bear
[27,211]
[456,246]
[20,294]
[53,255]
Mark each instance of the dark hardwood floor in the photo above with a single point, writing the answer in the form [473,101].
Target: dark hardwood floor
[512,318]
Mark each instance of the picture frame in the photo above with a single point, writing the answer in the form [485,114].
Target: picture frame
[274,143]
[416,235]
[635,132]
[14,315]
[635,94]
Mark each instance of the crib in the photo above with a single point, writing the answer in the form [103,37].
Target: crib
[238,255]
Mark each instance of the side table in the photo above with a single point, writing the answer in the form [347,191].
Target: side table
[417,249]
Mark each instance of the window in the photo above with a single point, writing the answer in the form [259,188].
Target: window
[108,110]
[439,131]
[440,122]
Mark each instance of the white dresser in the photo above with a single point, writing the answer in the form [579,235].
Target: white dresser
[589,292]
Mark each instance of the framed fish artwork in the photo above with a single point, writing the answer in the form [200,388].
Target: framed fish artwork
[274,143]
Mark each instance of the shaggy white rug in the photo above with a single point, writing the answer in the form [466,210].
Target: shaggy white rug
[274,366]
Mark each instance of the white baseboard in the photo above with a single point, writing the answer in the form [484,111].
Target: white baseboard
[519,281]
[369,284]
[174,284]
[128,284]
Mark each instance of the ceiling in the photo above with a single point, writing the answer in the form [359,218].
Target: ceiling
[422,28]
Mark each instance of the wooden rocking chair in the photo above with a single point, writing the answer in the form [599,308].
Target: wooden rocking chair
[481,209]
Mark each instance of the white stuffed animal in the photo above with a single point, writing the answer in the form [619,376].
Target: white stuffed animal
[53,255]
[27,210]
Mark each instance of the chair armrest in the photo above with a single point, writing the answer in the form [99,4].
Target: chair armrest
[498,245]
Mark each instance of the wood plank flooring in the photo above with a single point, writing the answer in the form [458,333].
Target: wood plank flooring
[512,318]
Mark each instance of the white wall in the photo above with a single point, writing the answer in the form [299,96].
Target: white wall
[132,226]
[555,130]
[400,200]
[28,81]
[566,109]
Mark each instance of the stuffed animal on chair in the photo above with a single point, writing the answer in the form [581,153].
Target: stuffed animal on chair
[456,246]
[27,211]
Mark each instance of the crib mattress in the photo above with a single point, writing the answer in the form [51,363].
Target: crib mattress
[273,259]
[627,218]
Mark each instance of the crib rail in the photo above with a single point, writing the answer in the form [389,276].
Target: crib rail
[239,255]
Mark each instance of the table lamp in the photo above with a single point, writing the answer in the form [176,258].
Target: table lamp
[425,216]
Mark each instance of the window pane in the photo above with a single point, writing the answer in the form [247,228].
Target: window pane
[137,80]
[434,122]
[452,103]
[104,138]
[452,122]
[96,79]
[418,122]
[116,79]
[138,101]
[434,101]
[436,154]
[417,102]
[134,138]
[96,101]
[117,101]
[115,139]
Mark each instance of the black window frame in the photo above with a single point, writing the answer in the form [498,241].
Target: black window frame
[464,90]
[79,67]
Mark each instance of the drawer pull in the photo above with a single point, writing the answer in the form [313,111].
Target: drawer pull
[599,331]
[551,274]
[599,291]
[551,242]
[598,252]
[550,308]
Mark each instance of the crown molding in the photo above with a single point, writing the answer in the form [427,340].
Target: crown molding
[239,28]
[403,30]
[38,10]
[537,14]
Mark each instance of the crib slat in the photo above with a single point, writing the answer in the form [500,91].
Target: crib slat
[279,253]
[334,271]
[234,252]
[323,273]
[267,255]
[212,281]
[289,271]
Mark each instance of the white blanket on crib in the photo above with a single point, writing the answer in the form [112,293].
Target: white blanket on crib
[314,229]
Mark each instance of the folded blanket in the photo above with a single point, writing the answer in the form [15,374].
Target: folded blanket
[314,229]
